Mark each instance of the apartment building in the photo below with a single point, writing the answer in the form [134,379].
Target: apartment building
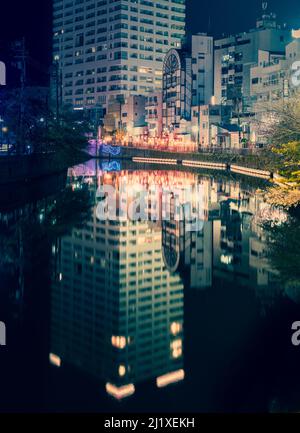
[236,55]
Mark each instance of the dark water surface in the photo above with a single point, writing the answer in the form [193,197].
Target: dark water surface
[116,315]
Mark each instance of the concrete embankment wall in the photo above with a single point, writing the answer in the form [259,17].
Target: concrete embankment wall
[263,174]
[223,162]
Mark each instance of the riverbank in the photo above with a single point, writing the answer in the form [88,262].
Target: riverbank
[283,193]
[261,159]
[254,165]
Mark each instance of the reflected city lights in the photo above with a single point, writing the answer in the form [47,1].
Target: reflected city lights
[120,392]
[170,378]
[176,328]
[55,360]
[122,370]
[176,348]
[126,278]
[118,342]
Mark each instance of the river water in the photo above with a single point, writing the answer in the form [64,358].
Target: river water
[182,301]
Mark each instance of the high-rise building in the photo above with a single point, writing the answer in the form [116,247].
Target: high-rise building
[202,68]
[107,48]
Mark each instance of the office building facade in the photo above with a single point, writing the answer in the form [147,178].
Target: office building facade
[202,68]
[109,48]
[187,82]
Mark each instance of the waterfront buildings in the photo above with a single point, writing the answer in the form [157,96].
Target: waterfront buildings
[131,60]
[177,91]
[187,81]
[154,115]
[268,79]
[235,55]
[250,70]
[105,49]
[271,82]
[126,117]
[203,119]
[226,136]
[202,47]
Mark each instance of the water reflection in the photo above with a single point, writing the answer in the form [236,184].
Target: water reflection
[160,314]
[117,309]
[29,223]
[117,312]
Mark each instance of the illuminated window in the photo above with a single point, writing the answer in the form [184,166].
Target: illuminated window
[118,342]
[175,328]
[122,370]
[55,360]
[176,348]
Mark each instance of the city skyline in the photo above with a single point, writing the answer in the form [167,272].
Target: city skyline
[121,64]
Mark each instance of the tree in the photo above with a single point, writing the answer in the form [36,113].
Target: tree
[283,132]
[23,114]
[40,128]
[284,249]
[283,124]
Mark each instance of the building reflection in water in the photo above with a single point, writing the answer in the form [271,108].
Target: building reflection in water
[117,312]
[117,291]
[230,247]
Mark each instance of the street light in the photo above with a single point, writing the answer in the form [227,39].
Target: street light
[4,130]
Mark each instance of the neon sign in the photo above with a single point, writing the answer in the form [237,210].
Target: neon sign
[106,148]
[111,166]
[111,150]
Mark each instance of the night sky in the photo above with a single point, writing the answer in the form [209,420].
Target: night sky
[32,19]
